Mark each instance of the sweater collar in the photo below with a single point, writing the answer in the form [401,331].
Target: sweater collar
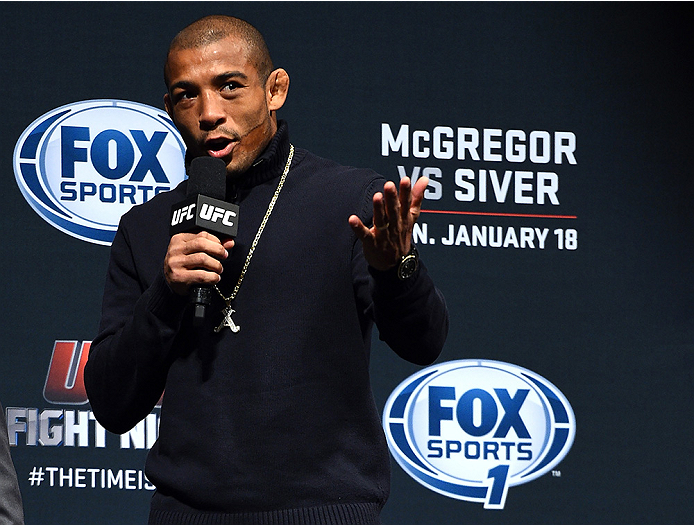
[270,163]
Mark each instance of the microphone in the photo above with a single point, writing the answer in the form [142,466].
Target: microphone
[204,208]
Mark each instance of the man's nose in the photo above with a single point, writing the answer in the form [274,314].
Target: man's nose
[211,111]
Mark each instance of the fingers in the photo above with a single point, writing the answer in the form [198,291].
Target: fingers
[394,211]
[194,259]
[392,199]
[405,195]
[387,208]
[394,215]
[359,228]
[403,206]
[381,216]
[418,196]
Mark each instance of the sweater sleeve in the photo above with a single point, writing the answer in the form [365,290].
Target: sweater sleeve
[129,359]
[411,315]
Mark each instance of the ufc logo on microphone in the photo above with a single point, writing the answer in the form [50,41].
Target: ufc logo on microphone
[214,213]
[201,212]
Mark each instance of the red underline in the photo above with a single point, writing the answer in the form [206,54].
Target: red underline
[490,214]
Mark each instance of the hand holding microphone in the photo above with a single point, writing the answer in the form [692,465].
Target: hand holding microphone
[202,227]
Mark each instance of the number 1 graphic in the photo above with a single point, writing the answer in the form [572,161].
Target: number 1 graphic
[496,495]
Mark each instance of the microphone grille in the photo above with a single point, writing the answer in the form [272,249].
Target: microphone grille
[207,176]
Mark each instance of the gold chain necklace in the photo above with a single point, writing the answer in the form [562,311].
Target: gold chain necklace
[227,311]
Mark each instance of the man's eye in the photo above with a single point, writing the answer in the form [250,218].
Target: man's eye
[230,86]
[182,95]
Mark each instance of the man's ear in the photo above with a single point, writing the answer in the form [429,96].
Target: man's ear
[276,89]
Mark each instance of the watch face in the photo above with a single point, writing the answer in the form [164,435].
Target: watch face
[407,267]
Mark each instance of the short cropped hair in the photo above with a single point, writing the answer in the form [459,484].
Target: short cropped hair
[213,28]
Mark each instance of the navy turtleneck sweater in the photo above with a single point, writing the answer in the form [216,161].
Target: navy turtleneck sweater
[274,424]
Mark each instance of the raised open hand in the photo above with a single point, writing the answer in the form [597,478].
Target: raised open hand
[390,236]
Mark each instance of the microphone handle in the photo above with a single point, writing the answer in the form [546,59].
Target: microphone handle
[201,297]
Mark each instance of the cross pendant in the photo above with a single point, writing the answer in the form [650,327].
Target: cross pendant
[228,321]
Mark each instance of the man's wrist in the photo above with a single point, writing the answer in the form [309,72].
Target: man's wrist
[395,277]
[409,264]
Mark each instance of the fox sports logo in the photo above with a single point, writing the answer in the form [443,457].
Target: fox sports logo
[471,429]
[83,165]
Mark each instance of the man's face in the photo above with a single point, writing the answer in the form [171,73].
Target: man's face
[219,104]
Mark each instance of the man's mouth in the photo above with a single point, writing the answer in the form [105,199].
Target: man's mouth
[219,147]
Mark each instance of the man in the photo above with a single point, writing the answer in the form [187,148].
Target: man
[267,416]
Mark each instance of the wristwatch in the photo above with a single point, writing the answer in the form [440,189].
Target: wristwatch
[409,263]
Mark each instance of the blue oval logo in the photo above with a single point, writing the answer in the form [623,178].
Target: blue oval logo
[83,165]
[470,429]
